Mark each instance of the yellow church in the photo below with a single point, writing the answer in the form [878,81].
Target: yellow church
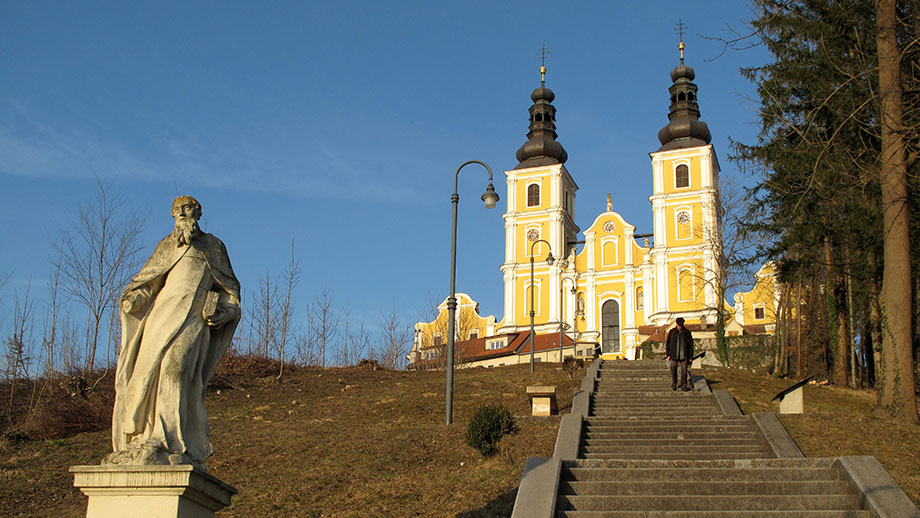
[621,288]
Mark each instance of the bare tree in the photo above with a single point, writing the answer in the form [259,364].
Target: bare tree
[290,278]
[264,318]
[322,326]
[395,340]
[18,346]
[97,255]
[355,340]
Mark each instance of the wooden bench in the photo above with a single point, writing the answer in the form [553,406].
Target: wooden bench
[792,398]
[542,399]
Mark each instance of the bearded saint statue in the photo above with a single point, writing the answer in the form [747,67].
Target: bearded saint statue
[178,315]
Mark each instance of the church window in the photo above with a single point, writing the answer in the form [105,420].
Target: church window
[682,176]
[533,195]
[681,97]
[640,299]
[673,98]
[436,340]
[474,334]
[538,117]
[689,96]
[497,343]
[758,312]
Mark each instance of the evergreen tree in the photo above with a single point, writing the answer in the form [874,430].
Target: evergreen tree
[834,130]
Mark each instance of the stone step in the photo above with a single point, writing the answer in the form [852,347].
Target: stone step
[654,402]
[671,420]
[666,436]
[816,463]
[727,455]
[685,440]
[601,410]
[714,514]
[791,475]
[707,502]
[697,487]
[682,448]
[652,425]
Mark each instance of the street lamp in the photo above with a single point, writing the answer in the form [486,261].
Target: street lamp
[549,261]
[489,198]
[562,314]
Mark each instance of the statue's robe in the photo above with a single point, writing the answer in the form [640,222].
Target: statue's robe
[168,351]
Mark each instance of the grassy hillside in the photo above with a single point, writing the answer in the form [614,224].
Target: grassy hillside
[357,442]
[332,442]
[836,422]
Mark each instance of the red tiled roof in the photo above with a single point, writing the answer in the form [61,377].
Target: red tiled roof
[475,349]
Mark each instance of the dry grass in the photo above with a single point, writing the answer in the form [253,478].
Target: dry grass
[359,442]
[837,422]
[331,443]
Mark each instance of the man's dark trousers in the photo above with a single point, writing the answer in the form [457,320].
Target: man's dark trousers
[673,364]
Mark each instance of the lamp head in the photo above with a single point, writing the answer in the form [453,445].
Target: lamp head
[490,197]
[549,259]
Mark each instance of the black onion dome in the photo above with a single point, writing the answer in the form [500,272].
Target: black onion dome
[543,93]
[684,129]
[541,147]
[680,71]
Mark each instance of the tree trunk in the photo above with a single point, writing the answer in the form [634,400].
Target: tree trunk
[851,342]
[897,345]
[798,328]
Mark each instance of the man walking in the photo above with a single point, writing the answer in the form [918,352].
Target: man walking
[679,347]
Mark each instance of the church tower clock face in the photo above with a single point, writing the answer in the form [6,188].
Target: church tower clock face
[533,235]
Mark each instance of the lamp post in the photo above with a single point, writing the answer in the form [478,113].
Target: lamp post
[489,198]
[549,261]
[562,315]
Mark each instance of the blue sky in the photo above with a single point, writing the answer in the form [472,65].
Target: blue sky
[339,125]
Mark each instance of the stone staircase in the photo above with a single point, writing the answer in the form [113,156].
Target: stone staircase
[649,451]
[646,451]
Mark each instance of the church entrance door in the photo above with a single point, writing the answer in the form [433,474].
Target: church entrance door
[610,327]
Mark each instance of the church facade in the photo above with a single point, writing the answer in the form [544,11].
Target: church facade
[604,289]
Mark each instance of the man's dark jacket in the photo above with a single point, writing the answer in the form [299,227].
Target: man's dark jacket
[675,339]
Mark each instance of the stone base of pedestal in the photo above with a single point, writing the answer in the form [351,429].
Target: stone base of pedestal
[151,491]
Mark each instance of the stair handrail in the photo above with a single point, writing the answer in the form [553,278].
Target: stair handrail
[790,388]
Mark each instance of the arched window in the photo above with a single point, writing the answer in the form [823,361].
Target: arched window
[533,195]
[538,117]
[689,96]
[681,96]
[640,299]
[682,176]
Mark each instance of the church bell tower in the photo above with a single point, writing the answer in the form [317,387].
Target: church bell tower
[685,206]
[541,196]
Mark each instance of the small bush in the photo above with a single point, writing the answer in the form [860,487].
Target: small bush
[571,365]
[487,426]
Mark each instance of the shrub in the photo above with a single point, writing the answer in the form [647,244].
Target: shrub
[571,365]
[487,426]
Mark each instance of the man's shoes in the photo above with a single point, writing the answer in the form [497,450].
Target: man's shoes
[673,386]
[686,389]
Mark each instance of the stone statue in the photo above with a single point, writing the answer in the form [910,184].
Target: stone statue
[178,315]
[609,203]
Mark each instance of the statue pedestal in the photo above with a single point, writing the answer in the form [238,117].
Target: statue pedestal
[151,491]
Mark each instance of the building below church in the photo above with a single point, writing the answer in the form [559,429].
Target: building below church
[621,289]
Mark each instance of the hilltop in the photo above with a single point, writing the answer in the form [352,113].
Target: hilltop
[343,442]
